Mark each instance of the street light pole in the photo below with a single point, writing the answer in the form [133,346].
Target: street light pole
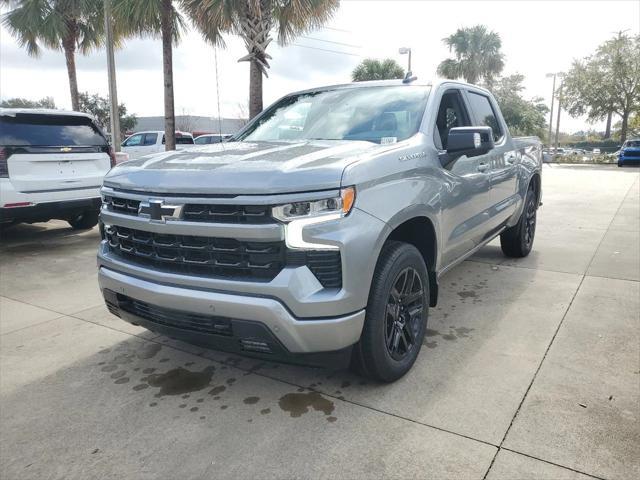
[559,110]
[553,95]
[111,72]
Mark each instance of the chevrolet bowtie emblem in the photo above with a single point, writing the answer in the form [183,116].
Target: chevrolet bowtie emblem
[158,211]
[65,149]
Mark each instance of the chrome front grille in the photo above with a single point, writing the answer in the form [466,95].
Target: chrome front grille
[201,212]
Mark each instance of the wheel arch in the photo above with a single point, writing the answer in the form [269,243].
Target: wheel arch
[420,231]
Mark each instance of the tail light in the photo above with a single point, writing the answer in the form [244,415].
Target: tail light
[112,157]
[4,168]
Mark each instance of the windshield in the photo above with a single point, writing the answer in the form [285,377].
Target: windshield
[374,114]
[632,144]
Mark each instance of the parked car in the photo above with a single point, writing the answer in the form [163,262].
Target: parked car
[144,143]
[326,247]
[629,153]
[596,151]
[52,164]
[209,138]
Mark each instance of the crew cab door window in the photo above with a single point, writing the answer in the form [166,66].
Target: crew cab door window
[451,114]
[150,138]
[484,114]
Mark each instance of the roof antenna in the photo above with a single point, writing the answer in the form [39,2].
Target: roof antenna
[215,56]
[409,77]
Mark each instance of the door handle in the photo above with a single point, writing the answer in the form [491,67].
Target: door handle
[483,167]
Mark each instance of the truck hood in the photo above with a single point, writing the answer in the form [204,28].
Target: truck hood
[242,168]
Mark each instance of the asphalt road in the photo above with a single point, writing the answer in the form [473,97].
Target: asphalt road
[530,369]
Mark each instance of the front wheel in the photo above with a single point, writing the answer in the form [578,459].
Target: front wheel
[86,220]
[396,317]
[517,241]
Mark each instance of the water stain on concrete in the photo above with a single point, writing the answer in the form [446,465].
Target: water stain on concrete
[265,411]
[109,368]
[331,419]
[140,386]
[180,381]
[217,390]
[118,374]
[231,381]
[430,344]
[147,371]
[251,400]
[467,294]
[297,404]
[122,380]
[148,351]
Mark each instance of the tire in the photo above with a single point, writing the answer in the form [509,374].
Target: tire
[517,241]
[86,220]
[396,314]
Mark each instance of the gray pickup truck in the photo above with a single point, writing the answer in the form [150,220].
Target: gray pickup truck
[317,235]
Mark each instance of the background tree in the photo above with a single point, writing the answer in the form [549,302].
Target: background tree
[67,25]
[523,117]
[155,18]
[477,55]
[253,21]
[607,81]
[46,102]
[99,107]
[372,69]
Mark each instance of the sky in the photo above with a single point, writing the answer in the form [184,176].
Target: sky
[538,37]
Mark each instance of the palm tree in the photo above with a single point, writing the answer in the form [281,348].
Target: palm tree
[68,25]
[477,55]
[155,18]
[253,20]
[372,69]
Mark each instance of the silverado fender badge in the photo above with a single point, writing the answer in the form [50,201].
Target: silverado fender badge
[412,156]
[156,210]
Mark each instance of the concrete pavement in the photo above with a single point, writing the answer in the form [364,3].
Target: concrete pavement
[530,369]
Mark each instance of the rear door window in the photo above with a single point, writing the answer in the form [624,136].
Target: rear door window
[150,138]
[49,131]
[485,115]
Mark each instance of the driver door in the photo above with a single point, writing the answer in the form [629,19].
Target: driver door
[467,201]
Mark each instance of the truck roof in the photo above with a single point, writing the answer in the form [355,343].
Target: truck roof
[385,83]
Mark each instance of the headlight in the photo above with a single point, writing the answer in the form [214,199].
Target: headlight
[340,205]
[302,214]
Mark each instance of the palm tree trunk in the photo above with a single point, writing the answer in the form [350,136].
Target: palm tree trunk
[625,126]
[69,46]
[167,70]
[607,132]
[255,89]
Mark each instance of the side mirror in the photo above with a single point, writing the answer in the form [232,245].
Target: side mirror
[469,141]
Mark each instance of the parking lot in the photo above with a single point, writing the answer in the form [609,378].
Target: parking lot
[530,369]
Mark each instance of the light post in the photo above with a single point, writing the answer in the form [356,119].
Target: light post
[553,93]
[111,72]
[403,51]
[561,75]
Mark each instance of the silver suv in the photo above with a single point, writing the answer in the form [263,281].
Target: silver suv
[318,233]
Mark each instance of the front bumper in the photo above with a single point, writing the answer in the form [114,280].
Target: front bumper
[253,320]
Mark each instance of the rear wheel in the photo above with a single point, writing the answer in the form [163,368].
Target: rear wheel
[86,220]
[396,316]
[517,241]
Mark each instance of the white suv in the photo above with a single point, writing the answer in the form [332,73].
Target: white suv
[52,164]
